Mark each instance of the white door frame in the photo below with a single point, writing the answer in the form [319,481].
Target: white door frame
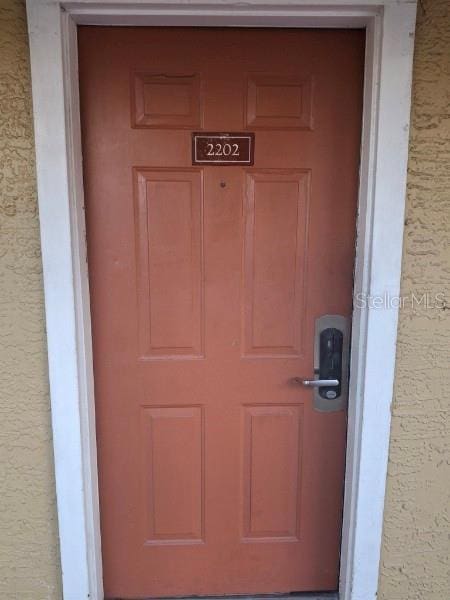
[390,28]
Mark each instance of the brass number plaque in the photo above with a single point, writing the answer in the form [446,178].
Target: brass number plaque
[223,148]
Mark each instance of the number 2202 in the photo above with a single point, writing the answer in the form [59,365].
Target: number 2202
[222,149]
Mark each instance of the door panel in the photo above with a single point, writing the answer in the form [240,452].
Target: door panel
[276,210]
[173,474]
[169,225]
[272,458]
[216,474]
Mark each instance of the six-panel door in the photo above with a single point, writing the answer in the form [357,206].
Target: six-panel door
[216,474]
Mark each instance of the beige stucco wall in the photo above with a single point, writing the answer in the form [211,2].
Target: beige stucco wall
[29,564]
[416,548]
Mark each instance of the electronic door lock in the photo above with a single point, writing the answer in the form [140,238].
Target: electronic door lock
[331,354]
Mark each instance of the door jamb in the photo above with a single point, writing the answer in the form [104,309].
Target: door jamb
[390,28]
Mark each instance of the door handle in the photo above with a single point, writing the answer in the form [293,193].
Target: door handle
[317,383]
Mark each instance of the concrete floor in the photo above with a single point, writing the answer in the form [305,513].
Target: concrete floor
[313,596]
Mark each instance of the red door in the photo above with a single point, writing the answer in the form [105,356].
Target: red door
[217,475]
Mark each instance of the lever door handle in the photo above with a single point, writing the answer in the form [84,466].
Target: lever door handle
[317,383]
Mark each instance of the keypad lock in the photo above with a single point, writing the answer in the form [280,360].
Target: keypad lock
[331,355]
[330,361]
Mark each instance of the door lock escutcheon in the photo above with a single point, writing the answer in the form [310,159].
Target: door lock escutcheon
[331,355]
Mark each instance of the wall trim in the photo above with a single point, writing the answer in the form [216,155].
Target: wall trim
[390,28]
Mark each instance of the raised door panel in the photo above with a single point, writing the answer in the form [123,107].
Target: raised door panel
[172,475]
[169,224]
[275,244]
[166,100]
[272,472]
[279,102]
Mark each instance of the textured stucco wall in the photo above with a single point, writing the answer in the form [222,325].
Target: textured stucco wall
[29,564]
[416,545]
